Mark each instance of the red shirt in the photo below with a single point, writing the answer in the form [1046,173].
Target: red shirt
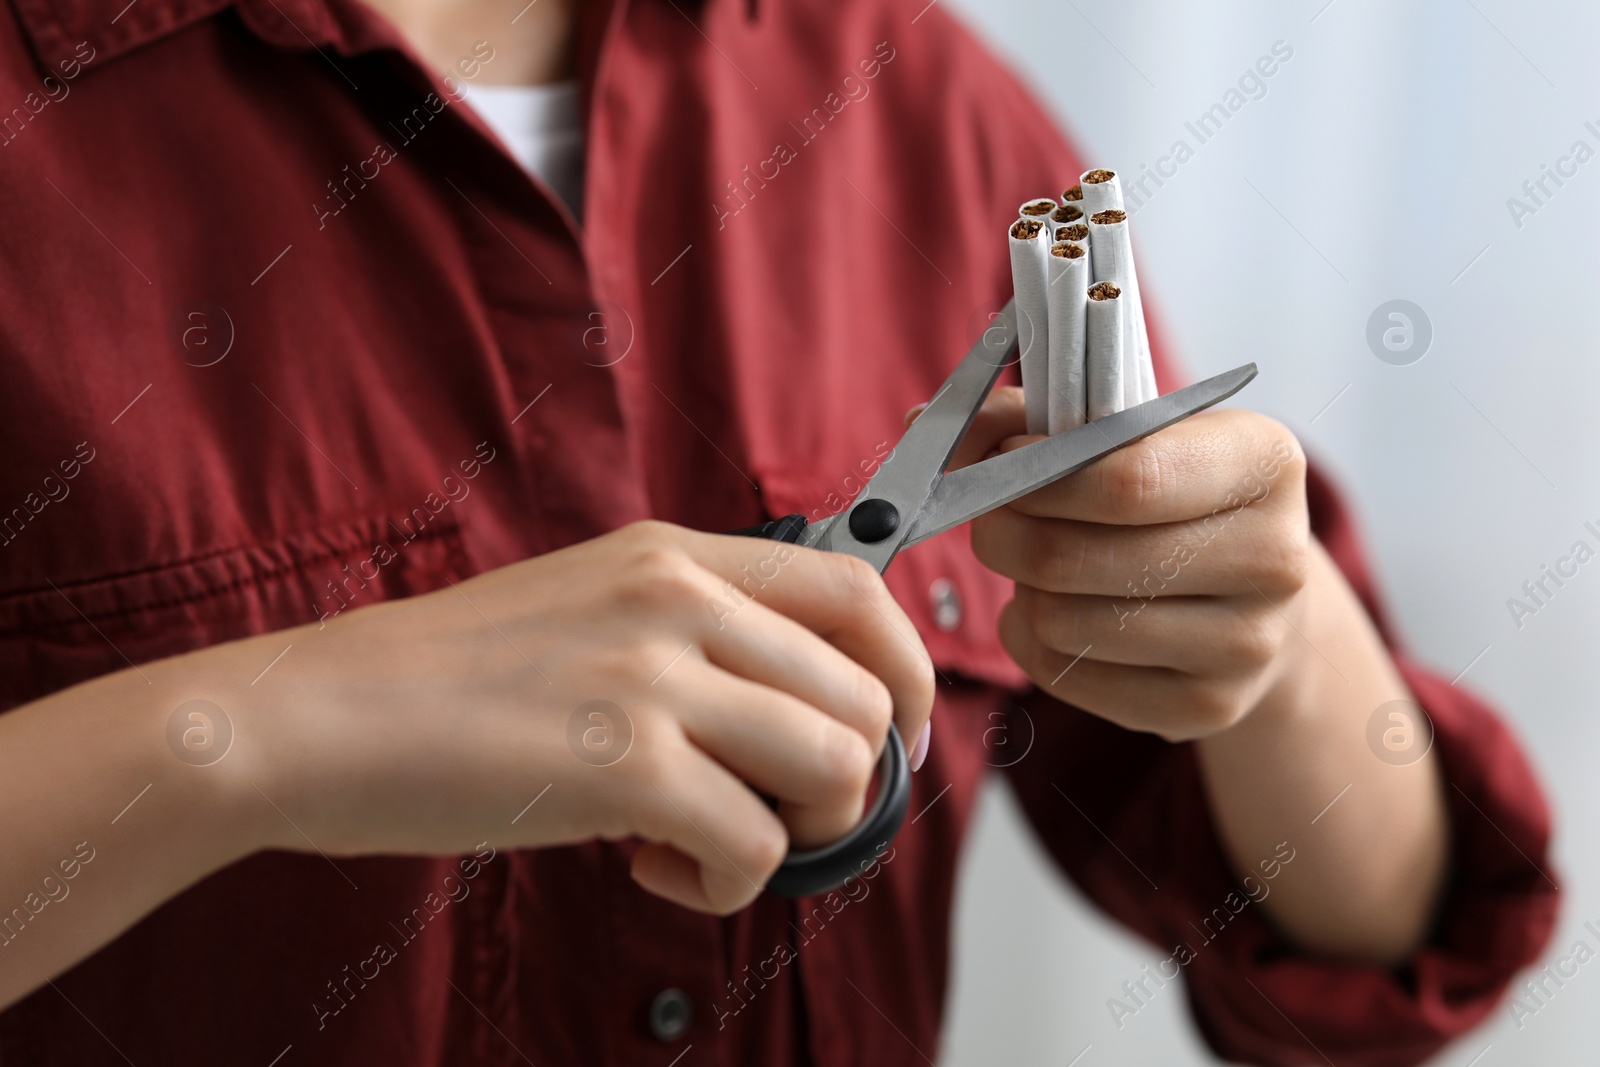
[269,295]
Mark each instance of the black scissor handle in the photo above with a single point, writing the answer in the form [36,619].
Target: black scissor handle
[820,869]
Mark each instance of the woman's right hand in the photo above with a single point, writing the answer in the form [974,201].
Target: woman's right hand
[427,725]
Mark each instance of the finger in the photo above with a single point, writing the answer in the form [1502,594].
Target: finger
[839,598]
[668,873]
[1207,464]
[1232,554]
[764,646]
[1002,416]
[702,811]
[1195,635]
[1155,700]
[817,767]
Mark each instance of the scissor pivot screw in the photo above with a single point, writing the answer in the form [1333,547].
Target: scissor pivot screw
[873,520]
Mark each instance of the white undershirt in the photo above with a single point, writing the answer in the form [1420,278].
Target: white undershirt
[541,126]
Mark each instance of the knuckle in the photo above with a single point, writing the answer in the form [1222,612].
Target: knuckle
[876,703]
[662,577]
[1284,446]
[765,848]
[846,760]
[1256,638]
[1052,622]
[860,574]
[620,662]
[1136,478]
[1216,707]
[924,682]
[1059,563]
[1283,562]
[646,532]
[653,756]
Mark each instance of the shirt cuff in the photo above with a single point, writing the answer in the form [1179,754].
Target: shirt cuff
[1258,999]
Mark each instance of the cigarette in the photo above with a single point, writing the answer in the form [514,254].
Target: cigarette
[1102,191]
[1030,248]
[1102,352]
[1111,251]
[1073,195]
[1066,214]
[1076,232]
[1036,209]
[1069,283]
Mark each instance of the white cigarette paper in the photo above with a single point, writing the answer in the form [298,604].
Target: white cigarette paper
[1111,250]
[1030,248]
[1036,209]
[1082,338]
[1102,191]
[1068,297]
[1103,339]
[1076,232]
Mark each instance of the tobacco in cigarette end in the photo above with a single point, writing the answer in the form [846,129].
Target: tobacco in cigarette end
[1064,214]
[1104,291]
[1102,191]
[1068,250]
[1078,232]
[1108,218]
[1074,193]
[1037,208]
[1026,229]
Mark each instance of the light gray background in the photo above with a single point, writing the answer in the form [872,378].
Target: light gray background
[1377,166]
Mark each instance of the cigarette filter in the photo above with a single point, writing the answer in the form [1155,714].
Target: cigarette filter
[1030,248]
[1111,250]
[1102,351]
[1068,296]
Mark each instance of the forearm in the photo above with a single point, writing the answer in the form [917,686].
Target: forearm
[104,821]
[1370,838]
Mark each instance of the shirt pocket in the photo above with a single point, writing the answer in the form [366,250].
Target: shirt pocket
[953,600]
[56,633]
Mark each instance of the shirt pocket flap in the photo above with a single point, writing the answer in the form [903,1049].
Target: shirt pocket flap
[55,635]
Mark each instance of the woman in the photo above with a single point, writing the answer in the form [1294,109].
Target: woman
[357,714]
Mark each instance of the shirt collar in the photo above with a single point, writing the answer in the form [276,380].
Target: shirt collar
[59,29]
[112,28]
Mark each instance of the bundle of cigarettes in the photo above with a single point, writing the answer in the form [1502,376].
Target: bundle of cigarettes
[1084,348]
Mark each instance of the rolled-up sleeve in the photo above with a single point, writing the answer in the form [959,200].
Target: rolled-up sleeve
[1126,814]
[1136,834]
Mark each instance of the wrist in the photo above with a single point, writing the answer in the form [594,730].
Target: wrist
[204,739]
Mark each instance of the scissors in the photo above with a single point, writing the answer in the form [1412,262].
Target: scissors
[912,498]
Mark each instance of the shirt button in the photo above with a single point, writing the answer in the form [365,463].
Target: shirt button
[946,604]
[670,1014]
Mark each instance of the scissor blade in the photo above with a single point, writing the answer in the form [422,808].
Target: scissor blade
[965,494]
[907,478]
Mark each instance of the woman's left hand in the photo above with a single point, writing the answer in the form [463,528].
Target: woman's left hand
[1160,587]
[1173,587]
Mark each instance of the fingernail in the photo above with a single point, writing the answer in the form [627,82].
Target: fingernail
[911,415]
[919,751]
